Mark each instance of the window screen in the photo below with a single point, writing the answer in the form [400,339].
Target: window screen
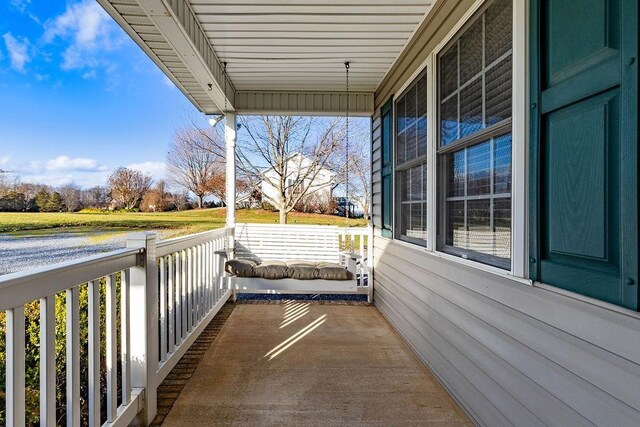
[411,168]
[474,154]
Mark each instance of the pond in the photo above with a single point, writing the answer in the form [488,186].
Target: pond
[30,249]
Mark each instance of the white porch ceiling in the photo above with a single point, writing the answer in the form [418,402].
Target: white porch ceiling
[273,48]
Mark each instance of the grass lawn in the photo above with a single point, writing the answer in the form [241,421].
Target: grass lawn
[182,222]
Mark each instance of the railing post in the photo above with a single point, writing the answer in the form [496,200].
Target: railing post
[144,323]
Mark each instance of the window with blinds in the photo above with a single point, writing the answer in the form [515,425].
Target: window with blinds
[474,151]
[411,158]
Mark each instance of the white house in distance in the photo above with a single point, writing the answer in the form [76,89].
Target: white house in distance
[300,176]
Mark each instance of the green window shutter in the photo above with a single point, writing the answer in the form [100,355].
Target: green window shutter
[386,115]
[584,190]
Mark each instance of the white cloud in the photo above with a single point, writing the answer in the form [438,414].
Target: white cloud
[90,31]
[79,164]
[89,75]
[157,170]
[21,5]
[18,51]
[4,160]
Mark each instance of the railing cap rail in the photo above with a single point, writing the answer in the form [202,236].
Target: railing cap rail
[29,285]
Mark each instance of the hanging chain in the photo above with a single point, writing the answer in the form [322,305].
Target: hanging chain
[346,66]
[227,242]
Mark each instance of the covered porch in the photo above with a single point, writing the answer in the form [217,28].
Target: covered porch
[505,279]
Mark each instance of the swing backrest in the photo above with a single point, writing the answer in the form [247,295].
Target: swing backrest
[287,242]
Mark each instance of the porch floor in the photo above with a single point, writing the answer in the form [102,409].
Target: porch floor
[299,363]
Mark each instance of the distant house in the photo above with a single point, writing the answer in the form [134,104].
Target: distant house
[317,183]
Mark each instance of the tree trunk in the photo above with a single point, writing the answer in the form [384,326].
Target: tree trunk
[200,200]
[283,216]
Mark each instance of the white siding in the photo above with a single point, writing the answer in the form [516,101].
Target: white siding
[510,353]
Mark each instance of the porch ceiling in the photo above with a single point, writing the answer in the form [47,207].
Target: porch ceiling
[280,54]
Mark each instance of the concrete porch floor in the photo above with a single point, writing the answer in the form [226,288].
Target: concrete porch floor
[300,363]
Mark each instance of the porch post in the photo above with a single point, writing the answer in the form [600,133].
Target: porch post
[230,139]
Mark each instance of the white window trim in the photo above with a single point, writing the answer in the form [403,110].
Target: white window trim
[426,64]
[519,153]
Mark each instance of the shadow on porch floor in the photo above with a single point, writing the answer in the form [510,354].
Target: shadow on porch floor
[304,363]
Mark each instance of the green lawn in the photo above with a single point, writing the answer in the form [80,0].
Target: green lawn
[182,222]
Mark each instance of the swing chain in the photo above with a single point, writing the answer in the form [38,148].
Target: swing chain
[347,202]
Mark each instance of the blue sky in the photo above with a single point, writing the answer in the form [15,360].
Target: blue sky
[78,97]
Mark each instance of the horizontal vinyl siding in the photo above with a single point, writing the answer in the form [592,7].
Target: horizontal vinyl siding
[519,361]
[510,353]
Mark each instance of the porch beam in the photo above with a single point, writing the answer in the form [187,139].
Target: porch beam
[230,130]
[177,22]
[304,103]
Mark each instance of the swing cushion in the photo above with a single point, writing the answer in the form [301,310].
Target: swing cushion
[271,269]
[301,269]
[241,267]
[294,269]
[331,271]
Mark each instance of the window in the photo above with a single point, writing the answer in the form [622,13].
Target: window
[474,150]
[411,163]
[386,114]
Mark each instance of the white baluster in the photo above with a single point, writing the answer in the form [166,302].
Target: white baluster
[170,304]
[94,353]
[15,367]
[185,293]
[73,357]
[190,288]
[125,338]
[47,361]
[112,349]
[163,310]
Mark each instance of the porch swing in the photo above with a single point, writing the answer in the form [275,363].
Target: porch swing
[299,259]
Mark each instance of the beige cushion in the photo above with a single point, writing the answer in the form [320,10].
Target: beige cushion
[240,267]
[271,269]
[301,270]
[332,271]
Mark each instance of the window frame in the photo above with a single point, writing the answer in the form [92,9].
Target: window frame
[423,72]
[519,136]
[519,139]
[387,109]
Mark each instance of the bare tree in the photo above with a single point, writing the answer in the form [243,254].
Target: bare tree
[96,197]
[355,169]
[127,187]
[157,199]
[179,200]
[71,197]
[288,153]
[195,160]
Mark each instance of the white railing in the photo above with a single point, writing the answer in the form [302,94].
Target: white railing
[358,241]
[43,284]
[167,293]
[192,290]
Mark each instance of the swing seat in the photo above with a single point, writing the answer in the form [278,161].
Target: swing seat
[291,269]
[295,259]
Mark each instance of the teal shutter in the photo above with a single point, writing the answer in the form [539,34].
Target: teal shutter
[386,116]
[584,190]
